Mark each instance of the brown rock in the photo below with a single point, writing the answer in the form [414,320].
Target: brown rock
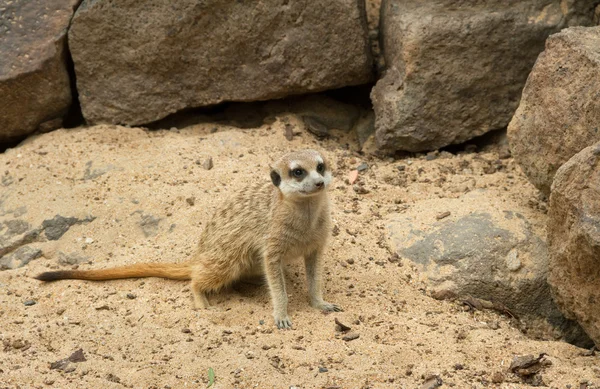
[455,72]
[559,114]
[574,239]
[34,82]
[137,64]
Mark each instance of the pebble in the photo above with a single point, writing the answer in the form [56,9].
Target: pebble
[431,382]
[360,189]
[208,163]
[191,201]
[351,336]
[443,215]
[131,296]
[323,370]
[362,167]
[352,176]
[29,303]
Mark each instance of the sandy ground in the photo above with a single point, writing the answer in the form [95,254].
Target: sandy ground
[150,196]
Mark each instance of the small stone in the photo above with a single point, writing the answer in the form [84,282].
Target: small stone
[350,261]
[443,215]
[351,336]
[191,201]
[208,163]
[360,189]
[362,167]
[186,330]
[512,261]
[249,355]
[131,296]
[352,176]
[497,377]
[314,126]
[289,132]
[89,240]
[432,381]
[401,168]
[29,303]
[113,378]
[431,156]
[323,370]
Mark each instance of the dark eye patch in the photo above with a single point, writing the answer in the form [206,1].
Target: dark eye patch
[298,173]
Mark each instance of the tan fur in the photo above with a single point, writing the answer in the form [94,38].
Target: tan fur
[255,232]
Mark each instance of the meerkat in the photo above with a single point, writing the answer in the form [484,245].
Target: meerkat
[254,233]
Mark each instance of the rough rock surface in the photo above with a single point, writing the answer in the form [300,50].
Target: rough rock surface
[485,248]
[137,62]
[559,114]
[574,239]
[34,81]
[455,72]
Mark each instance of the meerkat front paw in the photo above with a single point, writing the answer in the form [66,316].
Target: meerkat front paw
[328,307]
[283,321]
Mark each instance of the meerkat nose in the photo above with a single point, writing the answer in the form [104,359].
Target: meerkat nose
[319,184]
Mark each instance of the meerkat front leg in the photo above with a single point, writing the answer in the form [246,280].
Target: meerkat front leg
[279,299]
[314,276]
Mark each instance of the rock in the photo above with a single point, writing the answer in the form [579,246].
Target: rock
[574,239]
[34,81]
[56,227]
[208,163]
[19,258]
[328,111]
[432,381]
[559,113]
[136,64]
[15,234]
[149,225]
[528,365]
[314,126]
[469,254]
[73,258]
[455,72]
[365,127]
[350,337]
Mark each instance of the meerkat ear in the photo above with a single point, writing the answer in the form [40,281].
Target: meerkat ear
[275,177]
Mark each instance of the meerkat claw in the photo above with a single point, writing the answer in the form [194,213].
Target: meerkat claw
[283,323]
[328,307]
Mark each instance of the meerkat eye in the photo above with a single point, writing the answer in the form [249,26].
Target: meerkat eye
[321,168]
[298,172]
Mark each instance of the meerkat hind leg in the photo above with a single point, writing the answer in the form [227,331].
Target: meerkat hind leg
[200,300]
[314,276]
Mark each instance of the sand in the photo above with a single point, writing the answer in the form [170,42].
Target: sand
[150,196]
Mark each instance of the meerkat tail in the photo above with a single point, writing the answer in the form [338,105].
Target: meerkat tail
[173,271]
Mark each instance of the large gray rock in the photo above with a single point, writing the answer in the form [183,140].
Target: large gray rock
[485,249]
[455,70]
[574,239]
[139,61]
[34,81]
[559,114]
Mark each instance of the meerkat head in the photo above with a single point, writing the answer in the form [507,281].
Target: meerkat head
[302,173]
